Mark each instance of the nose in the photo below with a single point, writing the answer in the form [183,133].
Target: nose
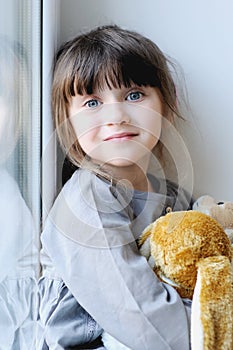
[117,114]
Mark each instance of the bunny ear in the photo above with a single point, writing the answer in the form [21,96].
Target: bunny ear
[212,306]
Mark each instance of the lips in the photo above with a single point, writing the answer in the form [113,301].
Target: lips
[121,136]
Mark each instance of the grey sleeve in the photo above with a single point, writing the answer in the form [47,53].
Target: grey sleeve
[63,323]
[93,249]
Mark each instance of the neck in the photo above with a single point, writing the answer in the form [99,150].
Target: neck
[135,175]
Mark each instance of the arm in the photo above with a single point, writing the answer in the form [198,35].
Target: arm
[63,323]
[106,274]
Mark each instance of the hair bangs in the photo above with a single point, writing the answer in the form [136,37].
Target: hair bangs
[113,72]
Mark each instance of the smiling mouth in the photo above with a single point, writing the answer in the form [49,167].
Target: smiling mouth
[121,137]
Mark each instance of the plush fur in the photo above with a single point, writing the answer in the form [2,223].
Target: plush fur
[212,309]
[191,251]
[178,241]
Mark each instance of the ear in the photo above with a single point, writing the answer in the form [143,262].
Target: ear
[212,307]
[204,204]
[223,214]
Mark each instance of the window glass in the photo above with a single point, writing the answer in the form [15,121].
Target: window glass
[19,170]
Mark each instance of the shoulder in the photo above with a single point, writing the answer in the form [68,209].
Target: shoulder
[82,181]
[79,190]
[86,210]
[80,196]
[90,191]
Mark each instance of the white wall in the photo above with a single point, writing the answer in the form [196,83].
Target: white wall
[198,34]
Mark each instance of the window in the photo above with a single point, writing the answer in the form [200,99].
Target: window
[20,139]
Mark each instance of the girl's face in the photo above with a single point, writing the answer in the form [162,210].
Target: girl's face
[117,127]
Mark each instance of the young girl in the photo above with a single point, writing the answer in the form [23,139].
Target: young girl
[112,97]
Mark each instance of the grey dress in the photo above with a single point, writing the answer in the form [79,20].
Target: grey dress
[91,262]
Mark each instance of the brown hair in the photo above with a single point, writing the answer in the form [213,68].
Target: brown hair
[106,55]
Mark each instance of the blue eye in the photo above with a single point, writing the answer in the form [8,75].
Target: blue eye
[92,103]
[134,96]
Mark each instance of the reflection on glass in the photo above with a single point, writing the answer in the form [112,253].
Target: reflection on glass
[18,250]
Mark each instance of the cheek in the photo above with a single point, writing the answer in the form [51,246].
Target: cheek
[87,140]
[155,126]
[152,131]
[85,124]
[150,122]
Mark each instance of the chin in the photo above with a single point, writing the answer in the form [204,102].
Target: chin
[123,161]
[116,162]
[120,163]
